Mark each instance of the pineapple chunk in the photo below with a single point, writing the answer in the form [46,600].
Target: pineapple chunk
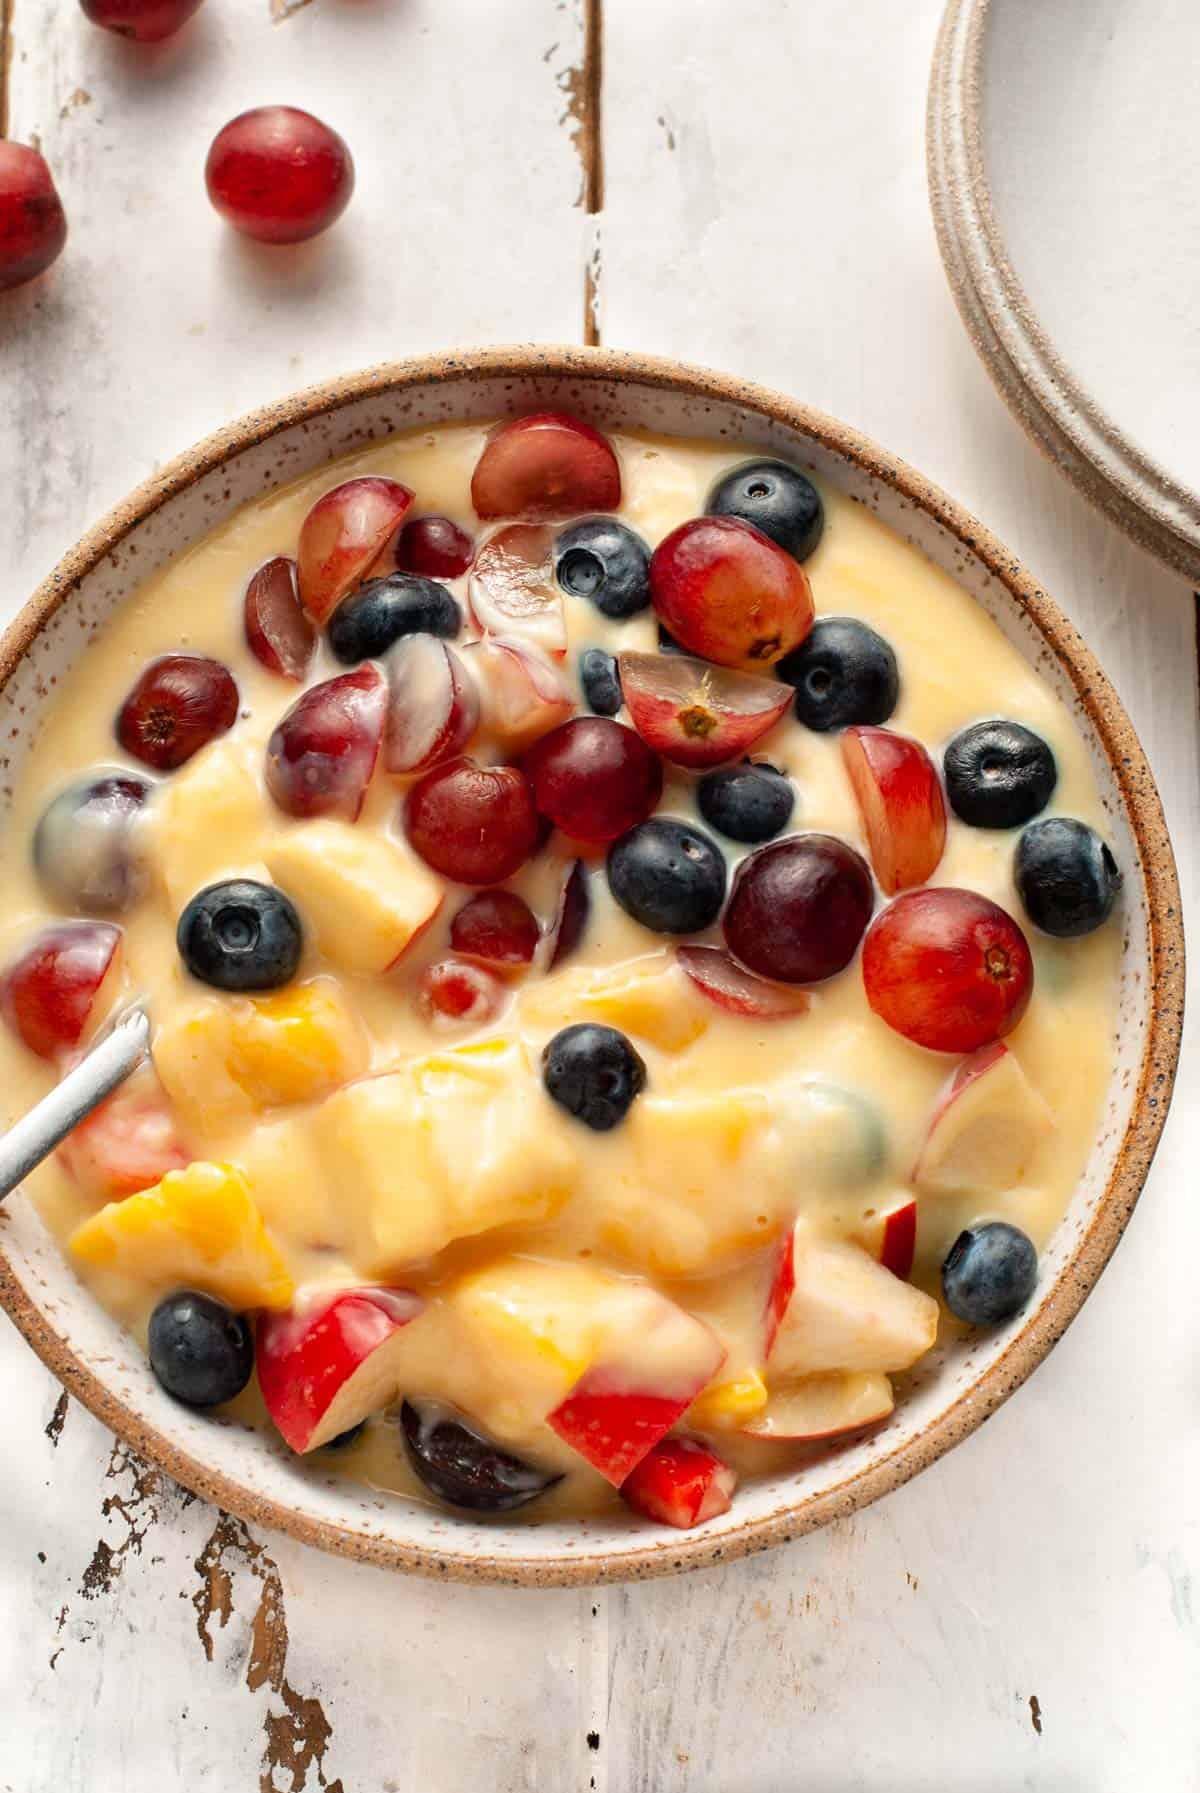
[211,820]
[296,1045]
[198,1228]
[726,1406]
[652,999]
[446,1147]
[365,897]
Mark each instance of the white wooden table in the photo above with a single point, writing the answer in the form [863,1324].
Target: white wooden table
[1025,1615]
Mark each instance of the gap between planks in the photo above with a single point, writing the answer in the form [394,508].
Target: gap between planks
[591,155]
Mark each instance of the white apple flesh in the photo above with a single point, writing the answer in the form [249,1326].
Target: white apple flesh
[832,1307]
[985,1127]
[823,1406]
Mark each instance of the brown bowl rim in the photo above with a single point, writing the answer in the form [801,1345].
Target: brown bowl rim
[650,1557]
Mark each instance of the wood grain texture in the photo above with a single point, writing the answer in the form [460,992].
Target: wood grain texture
[1025,1614]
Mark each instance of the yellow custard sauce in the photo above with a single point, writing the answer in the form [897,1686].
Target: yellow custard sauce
[389,1172]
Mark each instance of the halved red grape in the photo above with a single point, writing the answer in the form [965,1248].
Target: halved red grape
[434,547]
[513,590]
[570,916]
[476,824]
[726,592]
[948,969]
[33,226]
[524,693]
[85,847]
[798,908]
[900,800]
[696,714]
[127,1144]
[343,535]
[278,633]
[433,704]
[279,175]
[146,21]
[723,981]
[48,993]
[546,467]
[455,992]
[178,705]
[594,778]
[323,751]
[498,927]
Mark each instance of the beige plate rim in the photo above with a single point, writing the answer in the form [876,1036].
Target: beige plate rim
[1145,501]
[1165,970]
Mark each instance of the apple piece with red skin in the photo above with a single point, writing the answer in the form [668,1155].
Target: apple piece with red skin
[326,1365]
[322,753]
[127,1144]
[889,1233]
[900,800]
[512,590]
[523,693]
[697,715]
[947,968]
[433,704]
[717,975]
[544,468]
[681,1482]
[278,632]
[831,1307]
[726,592]
[824,1406]
[51,991]
[343,535]
[456,993]
[986,1125]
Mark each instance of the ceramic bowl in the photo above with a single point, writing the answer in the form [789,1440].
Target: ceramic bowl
[250,1474]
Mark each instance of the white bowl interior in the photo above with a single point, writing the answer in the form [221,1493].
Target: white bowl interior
[260,1466]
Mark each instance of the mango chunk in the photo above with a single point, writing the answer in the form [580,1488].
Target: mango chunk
[729,1405]
[365,897]
[295,1045]
[198,1228]
[652,999]
[441,1149]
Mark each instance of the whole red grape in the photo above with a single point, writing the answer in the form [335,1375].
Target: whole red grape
[498,927]
[33,227]
[594,778]
[798,908]
[178,704]
[147,21]
[279,175]
[948,969]
[476,824]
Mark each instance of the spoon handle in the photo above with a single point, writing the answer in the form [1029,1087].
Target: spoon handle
[108,1064]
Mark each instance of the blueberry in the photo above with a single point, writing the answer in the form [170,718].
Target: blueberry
[1067,877]
[601,681]
[602,560]
[998,774]
[462,1466]
[367,624]
[594,1073]
[200,1350]
[240,936]
[777,499]
[668,875]
[844,674]
[989,1273]
[749,802]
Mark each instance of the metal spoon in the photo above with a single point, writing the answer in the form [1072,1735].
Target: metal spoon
[117,1053]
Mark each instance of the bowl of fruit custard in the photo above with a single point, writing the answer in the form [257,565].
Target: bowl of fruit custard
[663,957]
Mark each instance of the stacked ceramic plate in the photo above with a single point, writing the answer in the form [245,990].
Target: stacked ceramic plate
[1065,175]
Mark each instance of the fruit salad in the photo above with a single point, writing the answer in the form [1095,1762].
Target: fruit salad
[631,955]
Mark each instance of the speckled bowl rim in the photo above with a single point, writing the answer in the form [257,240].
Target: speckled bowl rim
[1165,970]
[1048,400]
